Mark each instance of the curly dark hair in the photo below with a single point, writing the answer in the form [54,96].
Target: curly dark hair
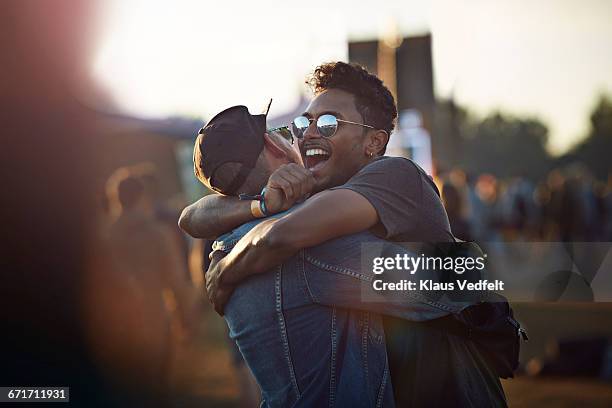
[373,99]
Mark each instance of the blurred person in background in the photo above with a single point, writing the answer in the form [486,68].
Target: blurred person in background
[165,211]
[454,197]
[566,206]
[604,209]
[454,209]
[486,216]
[541,198]
[146,255]
[518,209]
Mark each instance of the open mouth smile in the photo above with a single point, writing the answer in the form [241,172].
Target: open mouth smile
[315,158]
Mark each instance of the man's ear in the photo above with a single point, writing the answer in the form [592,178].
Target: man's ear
[274,146]
[377,142]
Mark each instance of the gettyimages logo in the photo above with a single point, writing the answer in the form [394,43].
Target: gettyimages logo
[412,264]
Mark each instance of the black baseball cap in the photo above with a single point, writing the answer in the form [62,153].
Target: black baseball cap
[232,136]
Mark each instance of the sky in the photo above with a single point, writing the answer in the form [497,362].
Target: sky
[548,59]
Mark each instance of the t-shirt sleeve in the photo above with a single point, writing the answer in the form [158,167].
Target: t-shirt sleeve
[394,188]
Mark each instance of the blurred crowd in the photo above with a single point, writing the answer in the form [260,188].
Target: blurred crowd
[569,204]
[154,299]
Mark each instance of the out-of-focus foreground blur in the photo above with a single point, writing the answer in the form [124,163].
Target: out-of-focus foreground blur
[102,292]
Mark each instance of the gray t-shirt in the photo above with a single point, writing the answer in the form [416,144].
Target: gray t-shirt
[406,199]
[429,366]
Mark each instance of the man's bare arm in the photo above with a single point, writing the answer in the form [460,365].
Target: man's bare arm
[327,215]
[214,215]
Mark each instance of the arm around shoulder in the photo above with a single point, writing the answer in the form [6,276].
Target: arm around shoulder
[214,215]
[327,215]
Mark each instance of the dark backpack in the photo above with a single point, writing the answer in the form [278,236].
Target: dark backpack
[490,323]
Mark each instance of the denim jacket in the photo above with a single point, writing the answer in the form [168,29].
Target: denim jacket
[306,333]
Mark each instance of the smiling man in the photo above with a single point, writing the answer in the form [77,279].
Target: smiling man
[343,136]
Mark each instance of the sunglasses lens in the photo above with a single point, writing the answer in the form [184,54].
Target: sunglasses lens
[327,125]
[300,124]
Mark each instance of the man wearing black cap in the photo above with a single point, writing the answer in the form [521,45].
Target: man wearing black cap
[343,136]
[224,169]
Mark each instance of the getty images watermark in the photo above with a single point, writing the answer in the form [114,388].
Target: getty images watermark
[521,271]
[422,263]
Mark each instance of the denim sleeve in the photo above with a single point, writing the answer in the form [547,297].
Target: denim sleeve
[336,275]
